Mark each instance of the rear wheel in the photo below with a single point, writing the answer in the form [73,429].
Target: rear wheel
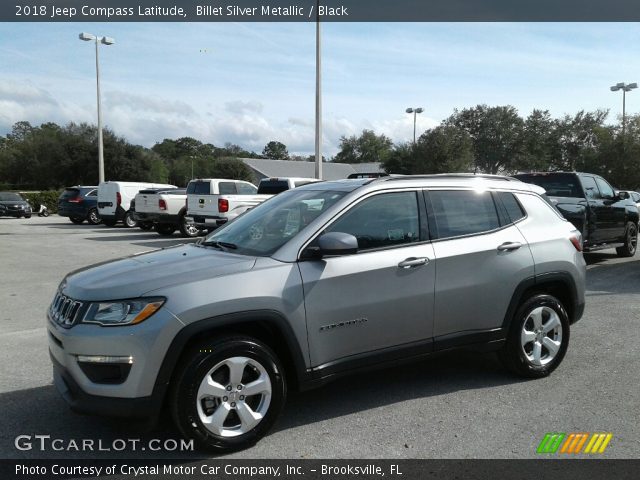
[76,220]
[228,393]
[165,228]
[538,337]
[188,229]
[129,221]
[630,241]
[92,217]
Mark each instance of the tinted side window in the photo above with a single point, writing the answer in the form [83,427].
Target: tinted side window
[605,189]
[635,197]
[590,188]
[384,220]
[463,212]
[227,188]
[246,189]
[511,205]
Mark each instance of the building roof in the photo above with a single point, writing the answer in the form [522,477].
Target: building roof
[291,168]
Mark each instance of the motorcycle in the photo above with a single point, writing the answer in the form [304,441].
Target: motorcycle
[43,211]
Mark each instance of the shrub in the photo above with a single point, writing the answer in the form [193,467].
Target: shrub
[49,198]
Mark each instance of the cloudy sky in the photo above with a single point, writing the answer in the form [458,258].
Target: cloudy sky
[250,83]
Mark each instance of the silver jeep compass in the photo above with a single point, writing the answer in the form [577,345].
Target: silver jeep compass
[320,281]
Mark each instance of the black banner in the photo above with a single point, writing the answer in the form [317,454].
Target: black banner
[326,10]
[321,469]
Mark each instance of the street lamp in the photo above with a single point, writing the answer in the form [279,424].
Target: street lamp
[87,37]
[415,111]
[625,88]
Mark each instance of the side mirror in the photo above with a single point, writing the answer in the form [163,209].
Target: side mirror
[334,243]
[623,195]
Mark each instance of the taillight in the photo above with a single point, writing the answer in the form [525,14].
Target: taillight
[118,199]
[76,200]
[576,241]
[223,205]
[162,204]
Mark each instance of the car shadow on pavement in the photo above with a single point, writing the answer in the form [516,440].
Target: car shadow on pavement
[599,257]
[439,375]
[42,411]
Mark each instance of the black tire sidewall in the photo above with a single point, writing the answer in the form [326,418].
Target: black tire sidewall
[89,217]
[127,216]
[184,229]
[199,363]
[515,356]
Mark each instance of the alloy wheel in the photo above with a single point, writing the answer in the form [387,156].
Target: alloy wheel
[541,336]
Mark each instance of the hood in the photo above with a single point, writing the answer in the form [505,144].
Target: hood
[137,275]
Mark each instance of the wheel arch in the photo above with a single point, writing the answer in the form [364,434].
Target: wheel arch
[269,327]
[559,284]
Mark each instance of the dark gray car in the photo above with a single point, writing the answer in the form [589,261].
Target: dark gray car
[320,281]
[13,205]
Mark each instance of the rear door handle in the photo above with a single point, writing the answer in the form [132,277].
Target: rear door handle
[413,262]
[506,246]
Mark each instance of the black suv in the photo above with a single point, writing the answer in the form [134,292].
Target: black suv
[607,218]
[79,203]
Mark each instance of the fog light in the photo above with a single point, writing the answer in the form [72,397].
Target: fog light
[104,359]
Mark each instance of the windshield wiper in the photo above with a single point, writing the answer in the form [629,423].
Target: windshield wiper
[220,245]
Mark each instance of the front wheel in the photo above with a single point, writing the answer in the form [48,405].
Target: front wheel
[228,393]
[538,337]
[630,241]
[129,221]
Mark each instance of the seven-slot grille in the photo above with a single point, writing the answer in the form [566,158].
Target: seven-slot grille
[65,311]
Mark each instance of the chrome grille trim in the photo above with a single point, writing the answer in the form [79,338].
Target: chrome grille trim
[65,311]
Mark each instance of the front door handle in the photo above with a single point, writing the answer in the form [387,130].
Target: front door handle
[507,246]
[413,262]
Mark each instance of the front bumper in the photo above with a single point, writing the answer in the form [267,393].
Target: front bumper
[82,402]
[131,395]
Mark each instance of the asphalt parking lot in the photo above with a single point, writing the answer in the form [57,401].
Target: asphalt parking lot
[453,406]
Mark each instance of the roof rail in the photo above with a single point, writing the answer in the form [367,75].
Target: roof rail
[445,175]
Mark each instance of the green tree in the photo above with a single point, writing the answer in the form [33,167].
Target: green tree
[275,151]
[443,149]
[368,147]
[496,134]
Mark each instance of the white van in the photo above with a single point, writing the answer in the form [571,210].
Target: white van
[114,201]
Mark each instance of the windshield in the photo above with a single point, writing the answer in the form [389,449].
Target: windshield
[264,229]
[10,197]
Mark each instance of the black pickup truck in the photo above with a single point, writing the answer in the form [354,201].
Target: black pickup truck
[606,217]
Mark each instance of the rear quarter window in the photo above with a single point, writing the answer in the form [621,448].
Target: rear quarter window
[512,207]
[463,212]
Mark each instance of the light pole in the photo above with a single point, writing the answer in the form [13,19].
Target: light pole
[625,88]
[318,169]
[415,111]
[87,37]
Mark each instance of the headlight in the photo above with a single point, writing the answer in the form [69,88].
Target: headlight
[125,312]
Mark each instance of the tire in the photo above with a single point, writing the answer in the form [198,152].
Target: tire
[129,221]
[109,223]
[165,228]
[251,361]
[630,241]
[76,220]
[92,217]
[528,354]
[188,229]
